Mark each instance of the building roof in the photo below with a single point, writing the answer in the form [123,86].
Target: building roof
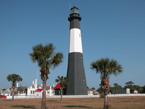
[7,92]
[23,88]
[89,89]
[58,86]
[38,90]
[47,88]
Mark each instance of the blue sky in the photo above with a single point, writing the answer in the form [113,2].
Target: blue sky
[110,28]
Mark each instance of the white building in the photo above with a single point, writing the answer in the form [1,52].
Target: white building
[127,90]
[5,93]
[90,91]
[33,90]
[49,91]
[136,92]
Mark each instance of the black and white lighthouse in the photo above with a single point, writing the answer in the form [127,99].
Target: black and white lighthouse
[75,71]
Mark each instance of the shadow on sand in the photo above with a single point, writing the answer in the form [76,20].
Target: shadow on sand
[71,106]
[23,106]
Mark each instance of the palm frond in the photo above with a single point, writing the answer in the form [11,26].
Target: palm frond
[56,59]
[14,78]
[106,67]
[62,80]
[56,80]
[46,58]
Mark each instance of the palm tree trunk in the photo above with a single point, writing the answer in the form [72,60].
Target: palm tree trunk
[13,95]
[43,105]
[61,94]
[105,102]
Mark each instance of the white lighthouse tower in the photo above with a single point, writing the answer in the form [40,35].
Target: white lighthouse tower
[75,72]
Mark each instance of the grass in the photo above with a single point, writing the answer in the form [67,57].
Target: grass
[75,103]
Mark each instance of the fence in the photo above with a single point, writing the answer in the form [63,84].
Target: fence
[73,96]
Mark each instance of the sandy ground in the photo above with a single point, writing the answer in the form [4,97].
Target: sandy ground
[75,103]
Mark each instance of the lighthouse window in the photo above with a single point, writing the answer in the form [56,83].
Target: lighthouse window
[83,79]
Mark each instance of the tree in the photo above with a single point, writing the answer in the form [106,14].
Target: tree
[129,85]
[62,81]
[46,59]
[100,90]
[3,89]
[20,89]
[93,88]
[106,67]
[142,89]
[135,87]
[116,86]
[110,89]
[14,78]
[87,87]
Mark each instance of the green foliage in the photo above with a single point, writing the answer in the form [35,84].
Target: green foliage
[20,89]
[3,89]
[87,87]
[62,80]
[15,92]
[100,90]
[93,88]
[110,90]
[106,67]
[128,84]
[46,58]
[132,87]
[116,86]
[14,78]
[142,89]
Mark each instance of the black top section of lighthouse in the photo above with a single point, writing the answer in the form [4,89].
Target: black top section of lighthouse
[75,70]
[74,18]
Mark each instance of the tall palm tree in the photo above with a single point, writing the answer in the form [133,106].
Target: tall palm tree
[46,59]
[14,78]
[106,67]
[62,81]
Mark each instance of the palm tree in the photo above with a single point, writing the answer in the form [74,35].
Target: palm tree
[62,81]
[14,78]
[129,83]
[106,67]
[116,86]
[46,59]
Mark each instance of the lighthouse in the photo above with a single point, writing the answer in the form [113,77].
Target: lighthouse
[75,70]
